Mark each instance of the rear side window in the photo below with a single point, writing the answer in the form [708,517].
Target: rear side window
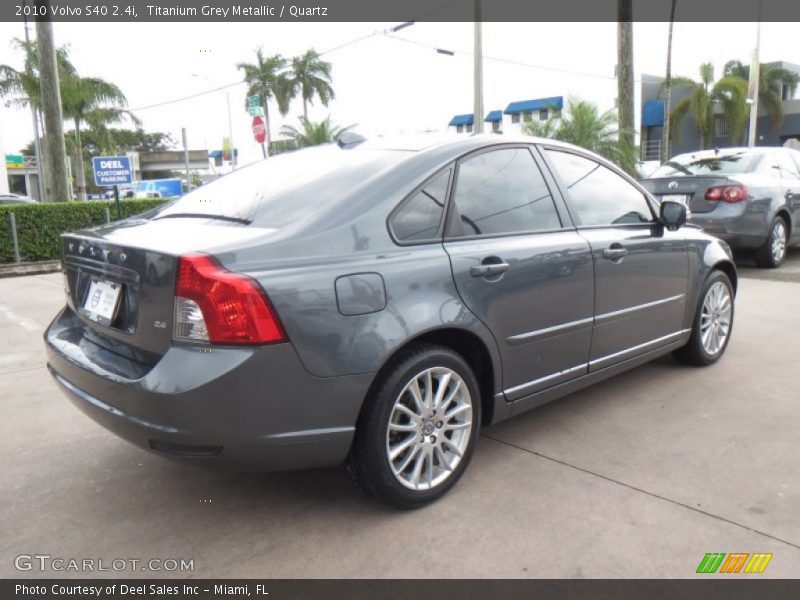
[786,166]
[285,188]
[598,194]
[502,191]
[418,218]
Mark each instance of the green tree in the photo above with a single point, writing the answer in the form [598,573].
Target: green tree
[582,124]
[314,134]
[85,100]
[771,80]
[92,101]
[729,92]
[265,80]
[22,88]
[309,77]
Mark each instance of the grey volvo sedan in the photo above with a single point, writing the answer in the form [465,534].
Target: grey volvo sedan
[377,302]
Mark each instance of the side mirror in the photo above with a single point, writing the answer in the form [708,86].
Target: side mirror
[673,214]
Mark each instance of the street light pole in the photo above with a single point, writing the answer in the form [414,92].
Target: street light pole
[755,78]
[477,108]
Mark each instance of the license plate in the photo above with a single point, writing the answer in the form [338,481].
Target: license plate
[102,300]
[682,198]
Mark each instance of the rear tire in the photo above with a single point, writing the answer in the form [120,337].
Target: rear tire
[712,325]
[772,253]
[418,428]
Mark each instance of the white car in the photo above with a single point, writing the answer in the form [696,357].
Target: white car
[15,199]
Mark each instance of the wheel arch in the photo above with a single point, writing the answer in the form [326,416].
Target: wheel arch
[783,213]
[727,267]
[473,349]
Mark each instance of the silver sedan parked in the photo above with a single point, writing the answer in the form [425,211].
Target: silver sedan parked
[378,303]
[749,197]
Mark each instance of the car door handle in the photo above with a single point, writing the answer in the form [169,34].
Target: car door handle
[489,270]
[615,252]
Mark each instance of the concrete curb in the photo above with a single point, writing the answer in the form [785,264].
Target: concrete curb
[18,270]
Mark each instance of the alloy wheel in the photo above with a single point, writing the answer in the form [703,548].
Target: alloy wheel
[429,428]
[778,241]
[715,319]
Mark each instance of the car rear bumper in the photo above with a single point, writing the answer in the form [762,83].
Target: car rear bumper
[248,408]
[740,228]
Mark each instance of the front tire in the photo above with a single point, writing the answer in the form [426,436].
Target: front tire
[418,428]
[712,325]
[772,253]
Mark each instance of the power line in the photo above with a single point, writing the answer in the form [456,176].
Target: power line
[501,59]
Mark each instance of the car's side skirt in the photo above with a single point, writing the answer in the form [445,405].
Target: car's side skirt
[553,393]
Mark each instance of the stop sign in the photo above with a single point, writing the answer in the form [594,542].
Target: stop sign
[259,129]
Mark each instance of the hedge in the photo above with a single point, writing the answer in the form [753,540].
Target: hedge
[39,225]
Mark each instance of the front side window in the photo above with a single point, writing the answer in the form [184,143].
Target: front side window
[418,218]
[598,194]
[502,191]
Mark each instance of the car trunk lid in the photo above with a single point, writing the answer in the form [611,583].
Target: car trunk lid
[690,190]
[120,278]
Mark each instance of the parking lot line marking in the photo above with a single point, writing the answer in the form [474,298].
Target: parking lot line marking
[640,490]
[24,322]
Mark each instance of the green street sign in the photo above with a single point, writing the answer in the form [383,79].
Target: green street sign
[253,102]
[256,111]
[15,161]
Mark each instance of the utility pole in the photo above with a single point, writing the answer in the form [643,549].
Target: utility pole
[664,154]
[36,135]
[186,160]
[51,107]
[625,79]
[230,131]
[755,80]
[477,105]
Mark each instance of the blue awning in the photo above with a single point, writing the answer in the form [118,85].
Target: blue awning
[494,117]
[461,120]
[531,105]
[653,113]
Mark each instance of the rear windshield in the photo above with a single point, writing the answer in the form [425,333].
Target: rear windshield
[722,164]
[283,188]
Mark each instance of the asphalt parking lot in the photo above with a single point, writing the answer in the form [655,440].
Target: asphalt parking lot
[639,476]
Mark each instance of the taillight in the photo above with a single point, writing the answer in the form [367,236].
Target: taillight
[219,306]
[727,193]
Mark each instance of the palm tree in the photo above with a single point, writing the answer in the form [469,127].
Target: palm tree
[582,124]
[664,154]
[22,88]
[309,77]
[264,80]
[771,80]
[314,134]
[625,131]
[86,100]
[95,102]
[729,92]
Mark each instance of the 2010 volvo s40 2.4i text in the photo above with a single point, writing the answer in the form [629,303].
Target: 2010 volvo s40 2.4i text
[378,302]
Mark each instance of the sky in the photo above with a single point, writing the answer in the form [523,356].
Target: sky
[384,85]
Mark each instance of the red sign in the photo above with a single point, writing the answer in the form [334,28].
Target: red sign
[259,129]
